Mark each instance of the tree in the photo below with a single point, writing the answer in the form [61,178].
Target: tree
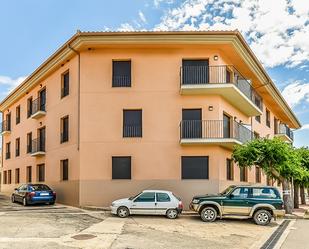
[276,158]
[303,182]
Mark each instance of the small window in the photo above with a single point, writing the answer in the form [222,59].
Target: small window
[9,176]
[146,197]
[163,197]
[8,150]
[264,193]
[132,123]
[41,173]
[194,167]
[17,147]
[257,174]
[5,177]
[243,172]
[29,174]
[240,193]
[65,84]
[29,107]
[267,118]
[229,170]
[258,119]
[121,167]
[64,164]
[17,176]
[29,142]
[121,74]
[64,136]
[17,114]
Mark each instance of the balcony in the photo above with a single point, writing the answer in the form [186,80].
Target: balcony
[221,80]
[38,108]
[214,132]
[285,133]
[38,147]
[6,127]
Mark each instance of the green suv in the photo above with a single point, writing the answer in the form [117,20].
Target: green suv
[257,202]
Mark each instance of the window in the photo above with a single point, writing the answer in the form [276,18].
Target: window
[9,176]
[17,114]
[243,174]
[64,164]
[132,123]
[197,72]
[5,177]
[257,174]
[121,74]
[29,107]
[65,84]
[8,150]
[163,197]
[29,142]
[121,167]
[64,136]
[229,170]
[194,167]
[267,118]
[17,176]
[240,193]
[29,174]
[258,119]
[41,173]
[146,197]
[8,122]
[264,193]
[17,147]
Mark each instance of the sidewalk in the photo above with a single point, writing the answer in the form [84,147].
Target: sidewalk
[300,213]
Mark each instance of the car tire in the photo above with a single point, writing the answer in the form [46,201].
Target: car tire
[262,217]
[25,203]
[172,213]
[123,212]
[13,199]
[52,203]
[209,214]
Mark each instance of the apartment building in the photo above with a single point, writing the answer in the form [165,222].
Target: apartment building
[112,113]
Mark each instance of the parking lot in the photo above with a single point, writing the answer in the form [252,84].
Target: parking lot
[59,226]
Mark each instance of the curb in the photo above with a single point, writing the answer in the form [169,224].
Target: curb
[93,208]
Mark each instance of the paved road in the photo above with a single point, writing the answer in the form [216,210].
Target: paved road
[59,226]
[298,236]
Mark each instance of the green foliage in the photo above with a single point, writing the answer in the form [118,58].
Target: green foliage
[277,158]
[303,154]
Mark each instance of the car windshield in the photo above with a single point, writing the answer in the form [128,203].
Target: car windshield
[133,197]
[227,190]
[39,188]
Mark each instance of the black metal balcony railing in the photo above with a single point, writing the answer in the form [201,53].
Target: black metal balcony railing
[214,129]
[7,155]
[134,130]
[121,81]
[6,125]
[38,105]
[195,75]
[284,129]
[37,145]
[64,137]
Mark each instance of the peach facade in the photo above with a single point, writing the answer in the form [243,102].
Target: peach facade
[95,111]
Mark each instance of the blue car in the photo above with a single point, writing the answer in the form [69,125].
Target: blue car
[34,193]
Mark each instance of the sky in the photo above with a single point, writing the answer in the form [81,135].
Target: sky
[276,30]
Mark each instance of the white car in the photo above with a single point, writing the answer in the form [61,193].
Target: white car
[154,202]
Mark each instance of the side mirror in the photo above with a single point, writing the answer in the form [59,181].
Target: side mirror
[231,196]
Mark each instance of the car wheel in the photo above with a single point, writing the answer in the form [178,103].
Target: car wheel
[13,199]
[209,214]
[52,203]
[25,201]
[123,212]
[172,213]
[262,217]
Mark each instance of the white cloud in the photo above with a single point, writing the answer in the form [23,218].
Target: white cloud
[9,83]
[126,27]
[157,3]
[296,92]
[142,17]
[304,127]
[277,31]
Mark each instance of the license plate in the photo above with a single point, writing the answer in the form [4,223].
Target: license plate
[44,194]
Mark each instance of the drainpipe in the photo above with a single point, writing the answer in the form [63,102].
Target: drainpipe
[78,96]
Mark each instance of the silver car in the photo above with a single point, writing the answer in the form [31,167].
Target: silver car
[152,202]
